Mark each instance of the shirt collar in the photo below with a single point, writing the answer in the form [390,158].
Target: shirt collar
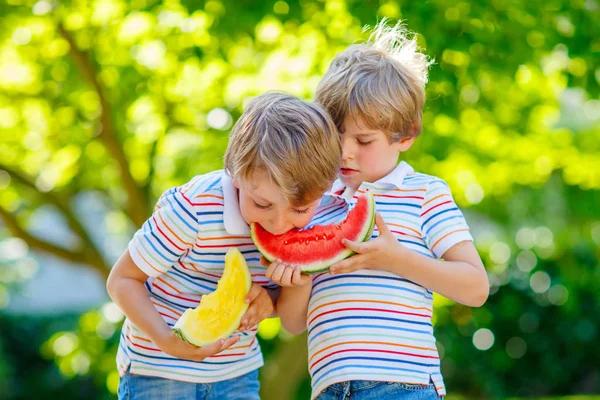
[232,216]
[394,178]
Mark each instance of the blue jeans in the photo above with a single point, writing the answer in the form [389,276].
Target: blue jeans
[375,390]
[141,387]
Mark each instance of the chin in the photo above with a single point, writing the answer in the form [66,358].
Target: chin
[353,182]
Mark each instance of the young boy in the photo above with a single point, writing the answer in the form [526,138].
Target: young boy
[283,154]
[370,334]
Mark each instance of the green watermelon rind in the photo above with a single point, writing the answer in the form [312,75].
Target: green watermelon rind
[321,267]
[179,332]
[349,252]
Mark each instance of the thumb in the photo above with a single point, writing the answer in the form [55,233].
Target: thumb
[382,226]
[357,247]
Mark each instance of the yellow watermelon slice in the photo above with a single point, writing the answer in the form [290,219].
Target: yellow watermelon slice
[220,312]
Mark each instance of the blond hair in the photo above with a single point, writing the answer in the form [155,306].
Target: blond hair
[381,82]
[294,141]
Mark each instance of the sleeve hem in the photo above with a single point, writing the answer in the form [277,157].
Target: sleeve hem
[450,241]
[141,263]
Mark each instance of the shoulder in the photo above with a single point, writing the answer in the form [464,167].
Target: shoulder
[418,180]
[198,191]
[210,183]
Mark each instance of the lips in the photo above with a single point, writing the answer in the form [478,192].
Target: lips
[348,171]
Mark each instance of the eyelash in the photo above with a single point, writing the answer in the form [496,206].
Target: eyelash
[261,207]
[305,211]
[364,143]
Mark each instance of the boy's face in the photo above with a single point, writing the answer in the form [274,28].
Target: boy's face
[261,201]
[367,153]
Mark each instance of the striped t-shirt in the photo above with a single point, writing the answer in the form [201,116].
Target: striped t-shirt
[375,325]
[182,248]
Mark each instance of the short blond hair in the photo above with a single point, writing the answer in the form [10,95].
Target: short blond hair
[294,141]
[381,82]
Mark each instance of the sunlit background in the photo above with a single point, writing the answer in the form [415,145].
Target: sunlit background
[104,104]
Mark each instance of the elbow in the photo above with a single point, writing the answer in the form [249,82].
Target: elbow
[480,295]
[479,299]
[111,286]
[293,328]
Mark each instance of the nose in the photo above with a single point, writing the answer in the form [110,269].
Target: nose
[347,149]
[280,225]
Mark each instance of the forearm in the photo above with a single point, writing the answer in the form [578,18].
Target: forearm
[274,295]
[292,308]
[457,280]
[132,297]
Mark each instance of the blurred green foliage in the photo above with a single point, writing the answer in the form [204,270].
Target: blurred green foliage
[125,99]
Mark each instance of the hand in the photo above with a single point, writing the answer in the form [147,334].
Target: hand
[177,347]
[378,253]
[287,275]
[261,307]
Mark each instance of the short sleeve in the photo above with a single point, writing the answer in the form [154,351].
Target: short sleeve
[443,224]
[167,236]
[331,209]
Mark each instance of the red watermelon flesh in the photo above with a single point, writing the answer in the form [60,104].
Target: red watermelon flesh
[317,248]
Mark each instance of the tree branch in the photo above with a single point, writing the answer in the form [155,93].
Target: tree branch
[39,244]
[58,202]
[138,206]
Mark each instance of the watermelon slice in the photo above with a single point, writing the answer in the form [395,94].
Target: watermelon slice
[319,247]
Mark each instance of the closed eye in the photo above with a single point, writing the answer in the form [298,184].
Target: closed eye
[261,206]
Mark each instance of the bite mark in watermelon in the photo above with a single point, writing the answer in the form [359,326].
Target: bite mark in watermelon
[319,247]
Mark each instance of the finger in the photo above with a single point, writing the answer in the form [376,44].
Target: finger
[255,290]
[248,317]
[272,268]
[286,278]
[214,348]
[357,247]
[346,269]
[297,276]
[348,265]
[278,272]
[199,353]
[229,342]
[382,226]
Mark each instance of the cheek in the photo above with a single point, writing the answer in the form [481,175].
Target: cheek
[249,212]
[368,154]
[301,220]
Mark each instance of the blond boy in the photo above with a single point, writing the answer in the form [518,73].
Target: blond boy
[283,154]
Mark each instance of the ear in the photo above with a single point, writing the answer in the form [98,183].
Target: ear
[405,144]
[236,184]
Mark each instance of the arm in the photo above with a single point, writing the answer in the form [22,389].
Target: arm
[126,288]
[292,308]
[461,277]
[292,305]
